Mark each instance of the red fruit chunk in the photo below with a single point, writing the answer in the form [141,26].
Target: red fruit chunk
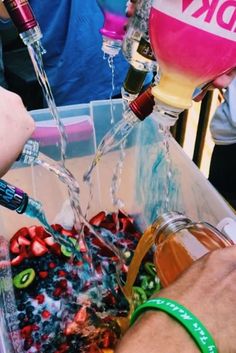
[57,292]
[46,314]
[63,283]
[38,247]
[81,316]
[61,273]
[14,246]
[26,331]
[43,274]
[40,298]
[17,260]
[52,265]
[96,220]
[23,240]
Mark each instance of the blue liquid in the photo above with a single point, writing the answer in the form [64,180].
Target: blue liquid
[34,210]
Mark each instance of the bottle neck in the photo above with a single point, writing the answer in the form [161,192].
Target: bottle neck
[167,224]
[12,198]
[143,105]
[134,80]
[31,36]
[110,46]
[165,114]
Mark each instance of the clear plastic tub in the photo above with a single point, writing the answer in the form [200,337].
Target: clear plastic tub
[143,190]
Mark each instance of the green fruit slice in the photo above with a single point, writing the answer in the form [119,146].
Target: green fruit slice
[24,278]
[67,252]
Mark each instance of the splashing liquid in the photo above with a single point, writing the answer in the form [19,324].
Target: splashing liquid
[115,136]
[74,191]
[111,64]
[35,210]
[35,52]
[115,181]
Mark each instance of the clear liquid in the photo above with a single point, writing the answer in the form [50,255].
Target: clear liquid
[35,52]
[111,64]
[115,136]
[74,192]
[165,130]
[116,178]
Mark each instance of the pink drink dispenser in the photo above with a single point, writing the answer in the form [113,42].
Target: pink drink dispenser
[115,21]
[194,41]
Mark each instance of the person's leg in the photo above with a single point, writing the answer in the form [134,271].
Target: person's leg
[223,171]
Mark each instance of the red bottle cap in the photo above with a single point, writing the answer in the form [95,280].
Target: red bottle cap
[21,14]
[143,105]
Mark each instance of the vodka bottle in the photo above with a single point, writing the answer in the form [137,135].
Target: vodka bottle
[137,49]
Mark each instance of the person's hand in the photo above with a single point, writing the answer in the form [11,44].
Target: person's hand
[222,81]
[208,290]
[16,127]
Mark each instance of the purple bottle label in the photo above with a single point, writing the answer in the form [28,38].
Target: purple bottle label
[21,14]
[11,197]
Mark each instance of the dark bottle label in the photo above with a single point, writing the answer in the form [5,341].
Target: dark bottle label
[12,197]
[145,49]
[21,14]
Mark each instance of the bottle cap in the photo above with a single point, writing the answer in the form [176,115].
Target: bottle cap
[143,105]
[134,80]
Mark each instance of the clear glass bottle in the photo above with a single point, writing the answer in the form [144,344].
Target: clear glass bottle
[137,49]
[180,241]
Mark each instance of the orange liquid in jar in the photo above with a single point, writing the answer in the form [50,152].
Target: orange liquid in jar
[176,252]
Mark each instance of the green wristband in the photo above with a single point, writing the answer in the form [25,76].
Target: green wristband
[196,329]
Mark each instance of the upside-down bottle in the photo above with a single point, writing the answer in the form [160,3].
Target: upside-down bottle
[115,21]
[23,18]
[137,50]
[194,42]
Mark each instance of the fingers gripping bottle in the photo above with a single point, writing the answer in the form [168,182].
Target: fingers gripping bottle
[115,21]
[194,41]
[137,49]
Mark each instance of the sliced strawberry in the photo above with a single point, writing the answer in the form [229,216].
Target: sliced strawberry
[23,240]
[17,260]
[81,316]
[14,246]
[38,247]
[49,241]
[96,220]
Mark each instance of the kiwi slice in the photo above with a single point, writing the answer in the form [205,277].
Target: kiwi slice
[67,252]
[24,278]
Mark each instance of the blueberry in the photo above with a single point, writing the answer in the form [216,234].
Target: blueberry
[21,316]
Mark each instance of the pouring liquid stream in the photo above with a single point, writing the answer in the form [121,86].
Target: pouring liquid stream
[35,51]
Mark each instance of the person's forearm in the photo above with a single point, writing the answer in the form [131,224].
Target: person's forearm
[157,333]
[3,12]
